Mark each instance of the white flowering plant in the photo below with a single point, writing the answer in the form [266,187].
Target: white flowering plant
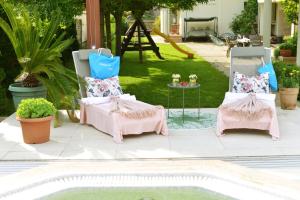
[176,76]
[193,77]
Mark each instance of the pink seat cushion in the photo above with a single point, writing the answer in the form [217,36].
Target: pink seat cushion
[266,122]
[113,123]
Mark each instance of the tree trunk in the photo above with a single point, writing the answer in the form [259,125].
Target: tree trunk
[30,81]
[102,25]
[107,30]
[118,18]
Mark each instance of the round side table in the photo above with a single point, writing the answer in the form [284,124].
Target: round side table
[184,88]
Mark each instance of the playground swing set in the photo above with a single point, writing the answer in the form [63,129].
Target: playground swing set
[138,28]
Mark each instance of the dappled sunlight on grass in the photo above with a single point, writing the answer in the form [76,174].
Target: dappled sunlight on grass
[129,81]
[148,80]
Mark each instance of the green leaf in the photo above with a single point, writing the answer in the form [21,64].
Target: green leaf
[40,55]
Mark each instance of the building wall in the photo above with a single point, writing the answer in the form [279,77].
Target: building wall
[280,27]
[164,20]
[228,10]
[225,10]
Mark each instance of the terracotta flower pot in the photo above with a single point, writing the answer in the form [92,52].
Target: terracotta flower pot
[288,98]
[286,52]
[35,131]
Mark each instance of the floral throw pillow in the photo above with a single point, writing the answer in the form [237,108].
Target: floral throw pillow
[253,84]
[103,88]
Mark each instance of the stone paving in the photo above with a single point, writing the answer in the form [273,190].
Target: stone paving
[212,53]
[76,148]
[216,55]
[75,141]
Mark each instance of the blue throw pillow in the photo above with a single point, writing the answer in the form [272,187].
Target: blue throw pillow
[103,67]
[268,68]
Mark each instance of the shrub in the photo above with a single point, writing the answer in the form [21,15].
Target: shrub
[35,108]
[288,75]
[276,53]
[3,98]
[245,22]
[9,63]
[2,75]
[293,42]
[286,46]
[290,79]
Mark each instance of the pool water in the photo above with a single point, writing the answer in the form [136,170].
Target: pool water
[137,194]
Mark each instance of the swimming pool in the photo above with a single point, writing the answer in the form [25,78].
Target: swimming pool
[153,186]
[137,194]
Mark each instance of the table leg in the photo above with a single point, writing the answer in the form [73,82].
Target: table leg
[183,105]
[168,101]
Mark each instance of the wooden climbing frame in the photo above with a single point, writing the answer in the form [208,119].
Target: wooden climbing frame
[127,45]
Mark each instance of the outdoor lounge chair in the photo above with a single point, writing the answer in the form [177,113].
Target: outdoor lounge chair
[103,116]
[247,61]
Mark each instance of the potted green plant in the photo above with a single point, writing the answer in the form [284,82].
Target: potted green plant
[286,49]
[289,88]
[35,116]
[38,54]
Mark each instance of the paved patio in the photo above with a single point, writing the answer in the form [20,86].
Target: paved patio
[216,54]
[75,141]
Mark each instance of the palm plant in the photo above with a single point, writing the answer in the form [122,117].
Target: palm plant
[39,56]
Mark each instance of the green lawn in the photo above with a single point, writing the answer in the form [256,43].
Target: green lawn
[148,80]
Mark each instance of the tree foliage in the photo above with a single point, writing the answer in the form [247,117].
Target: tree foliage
[138,8]
[244,23]
[291,10]
[45,8]
[42,11]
